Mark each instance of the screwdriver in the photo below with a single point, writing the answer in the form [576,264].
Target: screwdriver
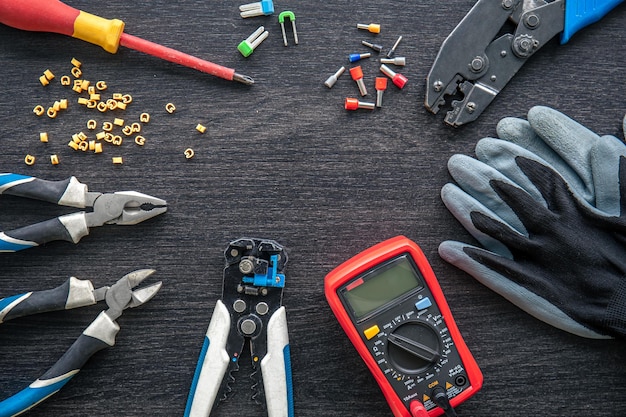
[57,17]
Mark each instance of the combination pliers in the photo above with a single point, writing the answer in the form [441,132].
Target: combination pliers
[476,64]
[122,208]
[98,335]
[250,310]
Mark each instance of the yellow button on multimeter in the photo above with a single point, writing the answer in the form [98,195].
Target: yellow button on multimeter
[389,303]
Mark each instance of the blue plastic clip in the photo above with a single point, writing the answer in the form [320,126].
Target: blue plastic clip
[271,279]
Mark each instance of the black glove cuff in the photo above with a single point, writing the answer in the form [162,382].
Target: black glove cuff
[615,319]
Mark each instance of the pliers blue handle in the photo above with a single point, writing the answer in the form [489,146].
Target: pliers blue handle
[123,208]
[98,335]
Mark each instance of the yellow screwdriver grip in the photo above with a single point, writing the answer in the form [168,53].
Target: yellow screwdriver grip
[99,31]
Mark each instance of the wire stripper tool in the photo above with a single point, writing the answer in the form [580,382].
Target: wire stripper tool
[123,208]
[477,64]
[250,310]
[98,335]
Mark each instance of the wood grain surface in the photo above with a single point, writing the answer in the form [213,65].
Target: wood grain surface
[281,159]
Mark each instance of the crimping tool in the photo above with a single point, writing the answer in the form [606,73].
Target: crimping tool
[477,62]
[250,310]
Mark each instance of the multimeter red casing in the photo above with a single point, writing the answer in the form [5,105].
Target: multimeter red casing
[454,368]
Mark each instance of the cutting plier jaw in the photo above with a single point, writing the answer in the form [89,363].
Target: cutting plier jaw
[122,295]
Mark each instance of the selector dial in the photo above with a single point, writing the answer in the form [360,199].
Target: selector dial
[413,347]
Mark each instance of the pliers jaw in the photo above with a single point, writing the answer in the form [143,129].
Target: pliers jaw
[124,208]
[122,295]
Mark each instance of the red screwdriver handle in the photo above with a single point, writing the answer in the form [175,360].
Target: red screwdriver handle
[57,17]
[39,15]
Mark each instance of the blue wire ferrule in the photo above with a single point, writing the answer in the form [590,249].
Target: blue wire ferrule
[358,57]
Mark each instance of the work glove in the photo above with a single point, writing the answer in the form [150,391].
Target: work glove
[547,202]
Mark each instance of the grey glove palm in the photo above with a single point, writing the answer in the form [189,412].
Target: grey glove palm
[546,204]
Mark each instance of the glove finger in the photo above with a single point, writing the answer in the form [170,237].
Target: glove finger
[521,133]
[475,178]
[462,205]
[605,162]
[501,155]
[457,254]
[571,140]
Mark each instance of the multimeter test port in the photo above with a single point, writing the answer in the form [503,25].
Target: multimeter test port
[389,303]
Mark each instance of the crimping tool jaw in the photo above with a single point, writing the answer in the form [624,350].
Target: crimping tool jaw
[249,312]
[476,60]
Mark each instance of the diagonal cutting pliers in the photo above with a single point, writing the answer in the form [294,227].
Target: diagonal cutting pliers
[249,311]
[122,208]
[98,335]
[476,63]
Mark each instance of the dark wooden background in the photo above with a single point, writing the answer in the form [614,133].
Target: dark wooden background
[282,159]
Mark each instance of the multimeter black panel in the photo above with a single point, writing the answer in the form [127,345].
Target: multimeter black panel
[399,322]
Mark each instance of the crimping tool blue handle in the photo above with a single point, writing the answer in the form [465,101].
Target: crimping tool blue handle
[581,13]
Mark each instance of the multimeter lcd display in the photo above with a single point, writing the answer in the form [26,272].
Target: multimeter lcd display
[378,287]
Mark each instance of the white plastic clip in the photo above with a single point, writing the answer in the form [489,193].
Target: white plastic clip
[261,8]
[247,46]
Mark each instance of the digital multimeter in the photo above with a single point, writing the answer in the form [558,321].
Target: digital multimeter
[389,303]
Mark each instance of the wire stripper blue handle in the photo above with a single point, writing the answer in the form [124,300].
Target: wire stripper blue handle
[276,368]
[212,365]
[581,13]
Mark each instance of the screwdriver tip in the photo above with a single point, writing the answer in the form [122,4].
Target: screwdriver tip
[243,79]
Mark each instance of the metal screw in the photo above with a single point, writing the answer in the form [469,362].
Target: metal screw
[532,21]
[246,266]
[477,64]
[507,4]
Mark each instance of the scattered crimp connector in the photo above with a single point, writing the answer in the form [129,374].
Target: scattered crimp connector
[330,81]
[398,79]
[392,51]
[354,104]
[381,86]
[378,48]
[399,61]
[372,27]
[358,57]
[261,8]
[357,75]
[247,46]
[281,20]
